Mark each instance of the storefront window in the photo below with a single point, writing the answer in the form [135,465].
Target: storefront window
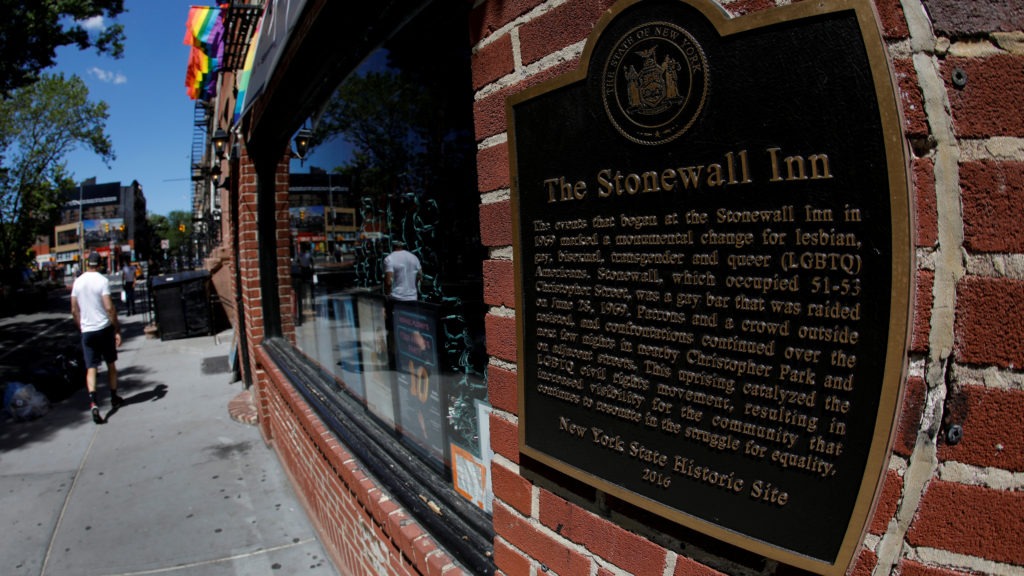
[385,247]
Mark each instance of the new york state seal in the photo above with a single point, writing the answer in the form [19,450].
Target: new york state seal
[654,83]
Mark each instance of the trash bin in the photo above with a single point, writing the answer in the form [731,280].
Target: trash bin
[181,303]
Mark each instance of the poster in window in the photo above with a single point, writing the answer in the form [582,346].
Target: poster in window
[469,477]
[348,363]
[483,418]
[373,353]
[420,416]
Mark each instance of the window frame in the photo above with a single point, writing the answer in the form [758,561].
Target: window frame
[461,528]
[464,531]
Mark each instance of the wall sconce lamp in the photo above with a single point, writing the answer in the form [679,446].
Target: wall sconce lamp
[220,142]
[302,138]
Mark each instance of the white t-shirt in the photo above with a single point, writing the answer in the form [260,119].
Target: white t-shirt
[404,266]
[89,289]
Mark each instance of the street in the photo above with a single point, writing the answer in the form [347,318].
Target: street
[30,342]
[170,484]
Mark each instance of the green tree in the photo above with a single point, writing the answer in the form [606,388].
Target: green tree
[176,228]
[180,231]
[159,227]
[39,126]
[32,30]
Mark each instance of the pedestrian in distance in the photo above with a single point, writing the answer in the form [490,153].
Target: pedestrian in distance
[128,274]
[96,318]
[302,282]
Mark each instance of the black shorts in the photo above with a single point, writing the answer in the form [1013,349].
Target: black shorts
[99,346]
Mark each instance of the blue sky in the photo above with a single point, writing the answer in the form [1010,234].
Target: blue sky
[150,121]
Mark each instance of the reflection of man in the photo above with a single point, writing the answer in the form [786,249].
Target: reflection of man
[402,274]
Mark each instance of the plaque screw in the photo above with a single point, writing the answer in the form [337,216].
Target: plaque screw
[955,434]
[959,77]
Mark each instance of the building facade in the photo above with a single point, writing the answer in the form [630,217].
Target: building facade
[401,420]
[106,218]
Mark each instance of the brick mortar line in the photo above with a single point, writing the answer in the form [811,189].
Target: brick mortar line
[515,23]
[948,270]
[952,560]
[982,476]
[998,265]
[992,377]
[567,54]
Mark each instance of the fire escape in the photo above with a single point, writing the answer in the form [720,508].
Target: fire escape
[240,20]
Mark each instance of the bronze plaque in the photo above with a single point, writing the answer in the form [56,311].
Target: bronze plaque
[714,269]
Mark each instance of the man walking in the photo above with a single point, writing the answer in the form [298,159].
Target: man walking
[128,273]
[96,317]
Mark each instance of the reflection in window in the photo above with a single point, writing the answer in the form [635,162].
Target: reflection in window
[386,200]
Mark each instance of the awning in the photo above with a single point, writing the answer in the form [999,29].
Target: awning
[242,80]
[275,29]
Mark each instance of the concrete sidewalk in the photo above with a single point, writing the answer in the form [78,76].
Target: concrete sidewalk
[171,484]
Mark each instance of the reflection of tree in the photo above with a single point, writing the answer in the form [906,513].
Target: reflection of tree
[374,112]
[412,157]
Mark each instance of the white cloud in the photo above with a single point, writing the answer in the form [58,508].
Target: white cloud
[93,24]
[108,76]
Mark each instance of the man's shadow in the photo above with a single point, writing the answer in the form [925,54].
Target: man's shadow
[157,393]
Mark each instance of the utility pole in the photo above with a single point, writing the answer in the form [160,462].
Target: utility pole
[81,232]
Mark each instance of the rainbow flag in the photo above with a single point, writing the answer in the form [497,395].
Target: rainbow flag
[242,79]
[204,32]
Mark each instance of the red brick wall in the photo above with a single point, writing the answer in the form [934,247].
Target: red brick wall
[943,509]
[248,262]
[363,530]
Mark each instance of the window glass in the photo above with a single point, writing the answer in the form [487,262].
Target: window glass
[66,237]
[385,247]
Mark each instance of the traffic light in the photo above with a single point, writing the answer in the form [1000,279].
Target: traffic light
[106,227]
[181,227]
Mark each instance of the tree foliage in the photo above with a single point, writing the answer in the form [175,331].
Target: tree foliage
[32,30]
[176,228]
[181,229]
[159,227]
[39,126]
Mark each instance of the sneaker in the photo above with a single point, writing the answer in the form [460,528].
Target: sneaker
[116,401]
[96,415]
